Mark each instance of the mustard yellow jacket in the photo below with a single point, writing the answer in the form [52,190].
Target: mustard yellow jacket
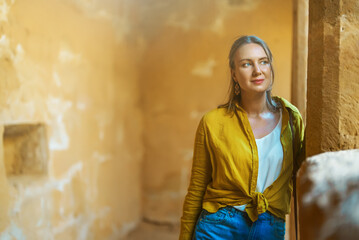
[225,167]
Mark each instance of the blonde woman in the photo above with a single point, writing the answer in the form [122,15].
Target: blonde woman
[244,155]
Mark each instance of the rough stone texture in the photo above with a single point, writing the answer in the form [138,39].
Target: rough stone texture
[184,74]
[348,75]
[328,192]
[332,72]
[72,66]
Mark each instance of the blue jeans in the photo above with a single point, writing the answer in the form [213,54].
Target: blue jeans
[229,223]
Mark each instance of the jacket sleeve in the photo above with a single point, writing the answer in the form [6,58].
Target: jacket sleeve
[299,147]
[200,177]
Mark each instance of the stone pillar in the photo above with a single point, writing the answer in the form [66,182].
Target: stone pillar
[300,55]
[333,70]
[299,76]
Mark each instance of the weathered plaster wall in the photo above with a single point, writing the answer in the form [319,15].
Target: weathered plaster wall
[106,77]
[73,66]
[184,74]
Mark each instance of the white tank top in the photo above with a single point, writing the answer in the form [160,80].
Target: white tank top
[270,159]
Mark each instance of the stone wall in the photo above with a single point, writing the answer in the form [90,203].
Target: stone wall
[332,69]
[328,182]
[71,69]
[348,72]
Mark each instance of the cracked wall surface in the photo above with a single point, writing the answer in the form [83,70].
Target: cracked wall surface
[71,66]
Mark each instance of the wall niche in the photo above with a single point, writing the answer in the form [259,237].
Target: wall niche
[25,149]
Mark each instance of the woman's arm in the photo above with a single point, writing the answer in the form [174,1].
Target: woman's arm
[200,177]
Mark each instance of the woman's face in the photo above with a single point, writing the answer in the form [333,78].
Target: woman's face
[252,69]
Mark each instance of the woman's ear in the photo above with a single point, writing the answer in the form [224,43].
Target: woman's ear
[233,75]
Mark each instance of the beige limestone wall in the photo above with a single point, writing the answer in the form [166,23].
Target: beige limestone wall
[184,74]
[348,72]
[332,69]
[330,180]
[73,67]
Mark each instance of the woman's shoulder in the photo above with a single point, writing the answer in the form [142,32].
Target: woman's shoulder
[216,115]
[286,104]
[297,117]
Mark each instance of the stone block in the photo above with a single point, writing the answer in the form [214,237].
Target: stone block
[328,192]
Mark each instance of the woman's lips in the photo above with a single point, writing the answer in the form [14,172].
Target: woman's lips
[258,81]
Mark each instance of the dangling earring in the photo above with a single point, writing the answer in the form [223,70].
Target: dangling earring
[237,89]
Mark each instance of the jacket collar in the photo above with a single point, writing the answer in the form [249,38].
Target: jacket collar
[285,103]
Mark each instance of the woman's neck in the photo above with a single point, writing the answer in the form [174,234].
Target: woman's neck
[254,105]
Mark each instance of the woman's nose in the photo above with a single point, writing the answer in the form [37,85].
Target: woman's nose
[256,70]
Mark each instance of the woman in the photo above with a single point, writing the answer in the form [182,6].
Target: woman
[244,152]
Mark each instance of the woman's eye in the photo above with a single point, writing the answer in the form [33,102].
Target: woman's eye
[264,62]
[246,64]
